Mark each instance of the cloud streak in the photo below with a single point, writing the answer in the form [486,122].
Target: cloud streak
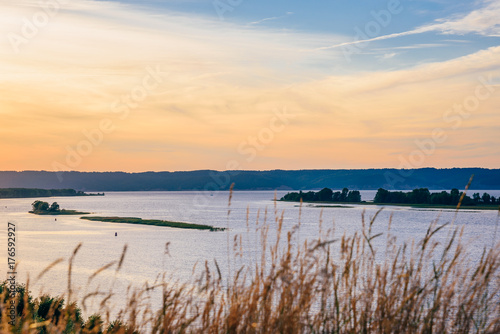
[270,19]
[482,21]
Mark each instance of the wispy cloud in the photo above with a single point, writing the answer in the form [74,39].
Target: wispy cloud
[388,56]
[375,82]
[484,21]
[414,46]
[379,38]
[271,18]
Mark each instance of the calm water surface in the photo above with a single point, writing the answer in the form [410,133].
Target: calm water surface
[41,239]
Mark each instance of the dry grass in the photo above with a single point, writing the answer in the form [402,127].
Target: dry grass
[333,284]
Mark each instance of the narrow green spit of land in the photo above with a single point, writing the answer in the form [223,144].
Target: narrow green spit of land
[43,208]
[34,192]
[418,198]
[155,222]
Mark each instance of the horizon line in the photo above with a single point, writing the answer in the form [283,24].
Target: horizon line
[245,170]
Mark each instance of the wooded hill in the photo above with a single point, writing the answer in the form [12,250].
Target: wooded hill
[366,179]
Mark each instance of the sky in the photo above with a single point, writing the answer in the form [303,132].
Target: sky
[237,84]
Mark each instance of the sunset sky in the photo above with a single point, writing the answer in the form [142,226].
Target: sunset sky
[248,84]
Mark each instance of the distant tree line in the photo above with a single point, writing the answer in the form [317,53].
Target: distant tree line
[324,195]
[367,179]
[33,192]
[424,196]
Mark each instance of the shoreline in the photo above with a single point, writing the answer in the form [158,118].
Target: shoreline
[63,212]
[419,206]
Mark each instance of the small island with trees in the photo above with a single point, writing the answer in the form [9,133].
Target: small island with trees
[35,192]
[325,195]
[43,208]
[424,198]
[420,197]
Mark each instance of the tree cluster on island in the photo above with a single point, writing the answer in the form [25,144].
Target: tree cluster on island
[424,196]
[43,208]
[325,195]
[40,206]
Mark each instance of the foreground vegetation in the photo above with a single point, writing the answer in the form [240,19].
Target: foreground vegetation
[43,208]
[132,220]
[33,192]
[334,284]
